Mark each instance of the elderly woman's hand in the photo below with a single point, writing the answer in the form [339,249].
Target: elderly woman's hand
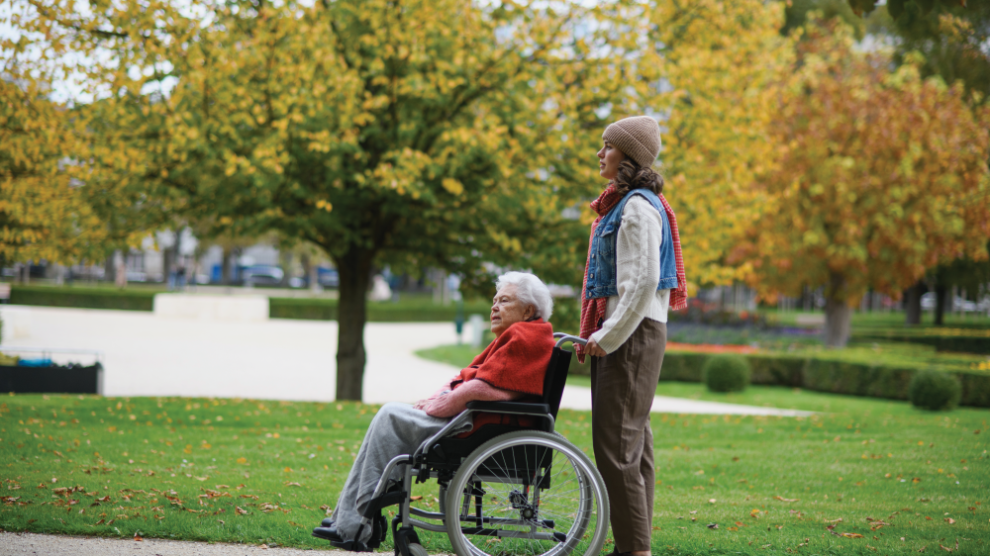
[592,348]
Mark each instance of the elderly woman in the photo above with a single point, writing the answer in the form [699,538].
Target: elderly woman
[511,367]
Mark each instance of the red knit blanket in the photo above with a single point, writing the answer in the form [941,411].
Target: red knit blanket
[517,360]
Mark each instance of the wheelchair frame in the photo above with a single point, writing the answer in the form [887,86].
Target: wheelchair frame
[423,468]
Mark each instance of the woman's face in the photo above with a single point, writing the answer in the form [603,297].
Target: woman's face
[608,161]
[508,310]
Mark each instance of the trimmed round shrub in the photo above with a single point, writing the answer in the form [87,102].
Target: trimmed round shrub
[726,373]
[934,391]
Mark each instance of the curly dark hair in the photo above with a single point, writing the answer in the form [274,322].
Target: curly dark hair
[633,176]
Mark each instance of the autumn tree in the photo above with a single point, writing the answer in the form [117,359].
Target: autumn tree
[417,134]
[44,213]
[882,175]
[718,64]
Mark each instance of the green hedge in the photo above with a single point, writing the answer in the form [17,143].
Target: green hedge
[822,375]
[83,298]
[959,344]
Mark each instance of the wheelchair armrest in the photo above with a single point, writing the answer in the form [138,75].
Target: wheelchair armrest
[513,407]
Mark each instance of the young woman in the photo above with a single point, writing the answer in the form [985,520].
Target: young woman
[634,275]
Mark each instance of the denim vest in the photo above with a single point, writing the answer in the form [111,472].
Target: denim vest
[601,264]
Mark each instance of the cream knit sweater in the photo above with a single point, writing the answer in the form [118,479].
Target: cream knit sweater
[638,273]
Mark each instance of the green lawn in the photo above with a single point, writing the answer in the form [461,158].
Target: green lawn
[259,472]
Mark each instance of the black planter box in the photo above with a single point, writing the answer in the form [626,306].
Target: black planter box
[56,379]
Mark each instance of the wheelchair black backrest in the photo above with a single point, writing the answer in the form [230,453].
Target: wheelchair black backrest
[556,377]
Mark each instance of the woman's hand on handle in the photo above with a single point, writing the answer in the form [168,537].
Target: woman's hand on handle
[592,348]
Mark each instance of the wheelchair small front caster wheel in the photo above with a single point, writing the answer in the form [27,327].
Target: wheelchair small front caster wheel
[416,549]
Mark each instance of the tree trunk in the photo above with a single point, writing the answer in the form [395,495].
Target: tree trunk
[838,316]
[225,267]
[354,269]
[285,259]
[110,268]
[941,300]
[912,303]
[838,313]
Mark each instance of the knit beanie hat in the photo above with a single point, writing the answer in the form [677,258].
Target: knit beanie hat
[637,137]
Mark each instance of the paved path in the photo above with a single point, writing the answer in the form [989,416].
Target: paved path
[30,544]
[149,355]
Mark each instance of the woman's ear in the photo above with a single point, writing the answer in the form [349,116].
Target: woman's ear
[530,312]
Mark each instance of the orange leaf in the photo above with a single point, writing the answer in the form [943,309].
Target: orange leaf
[240,510]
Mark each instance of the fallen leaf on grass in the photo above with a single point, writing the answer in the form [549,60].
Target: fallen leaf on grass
[138,537]
[834,520]
[415,498]
[292,484]
[786,499]
[950,521]
[947,549]
[713,525]
[240,510]
[852,535]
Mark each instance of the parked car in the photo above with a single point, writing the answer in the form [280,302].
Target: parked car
[328,277]
[262,275]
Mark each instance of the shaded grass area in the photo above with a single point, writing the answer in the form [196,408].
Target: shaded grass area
[258,472]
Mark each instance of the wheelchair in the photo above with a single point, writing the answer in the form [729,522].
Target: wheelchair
[503,490]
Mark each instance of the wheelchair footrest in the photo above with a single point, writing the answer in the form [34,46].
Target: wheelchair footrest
[375,505]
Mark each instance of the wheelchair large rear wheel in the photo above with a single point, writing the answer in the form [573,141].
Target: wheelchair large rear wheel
[527,492]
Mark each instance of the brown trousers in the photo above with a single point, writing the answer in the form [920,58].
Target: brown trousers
[623,384]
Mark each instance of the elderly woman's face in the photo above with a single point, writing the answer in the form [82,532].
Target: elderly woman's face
[508,310]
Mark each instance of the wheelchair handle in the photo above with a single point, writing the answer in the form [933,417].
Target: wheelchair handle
[564,338]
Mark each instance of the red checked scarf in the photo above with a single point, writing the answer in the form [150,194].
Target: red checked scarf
[593,310]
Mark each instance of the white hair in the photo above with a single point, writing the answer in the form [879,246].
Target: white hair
[530,290]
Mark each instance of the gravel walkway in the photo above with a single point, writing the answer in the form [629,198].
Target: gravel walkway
[30,544]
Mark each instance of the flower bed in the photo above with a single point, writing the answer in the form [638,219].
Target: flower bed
[710,348]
